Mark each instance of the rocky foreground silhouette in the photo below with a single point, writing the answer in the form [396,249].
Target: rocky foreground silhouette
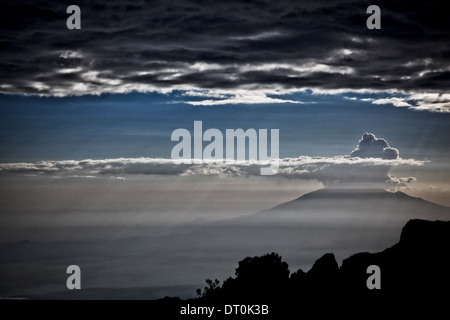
[414,274]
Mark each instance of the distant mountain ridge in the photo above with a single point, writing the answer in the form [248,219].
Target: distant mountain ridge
[327,220]
[366,203]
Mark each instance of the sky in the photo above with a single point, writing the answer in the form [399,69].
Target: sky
[86,116]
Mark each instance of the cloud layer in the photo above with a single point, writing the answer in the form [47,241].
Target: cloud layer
[261,46]
[369,162]
[324,169]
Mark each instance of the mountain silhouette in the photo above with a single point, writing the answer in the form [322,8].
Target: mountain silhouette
[414,269]
[374,204]
[328,220]
[419,263]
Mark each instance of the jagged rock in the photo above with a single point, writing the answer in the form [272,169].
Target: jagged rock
[325,265]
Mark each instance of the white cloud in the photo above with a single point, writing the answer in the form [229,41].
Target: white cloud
[239,96]
[370,146]
[418,62]
[398,102]
[424,101]
[260,36]
[71,55]
[69,70]
[250,98]
[301,68]
[431,101]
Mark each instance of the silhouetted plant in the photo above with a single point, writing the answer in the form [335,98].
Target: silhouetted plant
[212,286]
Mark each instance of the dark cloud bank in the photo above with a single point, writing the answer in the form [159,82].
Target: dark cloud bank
[227,45]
